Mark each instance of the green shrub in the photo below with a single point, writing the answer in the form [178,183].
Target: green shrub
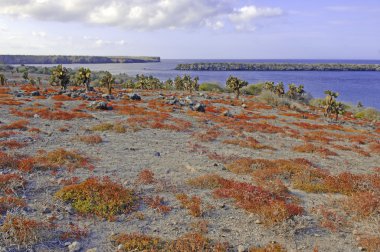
[254,89]
[215,87]
[369,114]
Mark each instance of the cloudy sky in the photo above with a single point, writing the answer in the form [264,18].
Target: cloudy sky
[265,29]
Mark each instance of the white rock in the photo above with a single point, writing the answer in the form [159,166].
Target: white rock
[92,250]
[120,247]
[75,246]
[241,248]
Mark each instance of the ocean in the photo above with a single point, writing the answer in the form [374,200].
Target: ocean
[351,86]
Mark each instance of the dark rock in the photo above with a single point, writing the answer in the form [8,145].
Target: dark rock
[135,97]
[200,107]
[35,93]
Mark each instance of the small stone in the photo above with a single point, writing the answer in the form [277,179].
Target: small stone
[120,247]
[244,106]
[135,97]
[46,210]
[157,154]
[241,248]
[36,116]
[75,246]
[361,249]
[227,113]
[67,244]
[200,107]
[92,250]
[35,93]
[258,222]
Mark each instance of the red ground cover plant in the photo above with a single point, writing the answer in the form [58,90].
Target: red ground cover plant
[20,125]
[371,243]
[311,148]
[208,136]
[62,158]
[12,144]
[193,204]
[48,114]
[158,204]
[273,208]
[6,134]
[146,177]
[249,142]
[301,115]
[62,98]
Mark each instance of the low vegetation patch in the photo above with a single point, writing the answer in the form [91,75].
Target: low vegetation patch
[99,196]
[91,139]
[193,204]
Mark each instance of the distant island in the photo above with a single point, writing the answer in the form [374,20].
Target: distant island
[276,67]
[65,59]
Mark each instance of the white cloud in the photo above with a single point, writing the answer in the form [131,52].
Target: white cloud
[244,16]
[39,34]
[139,14]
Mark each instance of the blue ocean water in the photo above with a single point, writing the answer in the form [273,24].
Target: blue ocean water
[352,86]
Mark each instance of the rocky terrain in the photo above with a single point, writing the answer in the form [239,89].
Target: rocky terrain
[174,171]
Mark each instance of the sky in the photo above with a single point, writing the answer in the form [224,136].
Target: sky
[193,29]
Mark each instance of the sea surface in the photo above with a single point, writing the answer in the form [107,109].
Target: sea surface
[352,86]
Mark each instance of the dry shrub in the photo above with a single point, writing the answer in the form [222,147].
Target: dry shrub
[12,144]
[116,127]
[69,181]
[157,203]
[370,243]
[34,130]
[73,232]
[24,232]
[8,203]
[11,183]
[207,181]
[194,242]
[190,242]
[146,177]
[271,247]
[137,242]
[62,158]
[311,148]
[208,136]
[91,139]
[363,204]
[99,196]
[20,125]
[330,219]
[193,204]
[249,142]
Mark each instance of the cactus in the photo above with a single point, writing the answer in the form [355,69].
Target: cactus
[3,80]
[338,108]
[60,75]
[292,92]
[269,85]
[107,81]
[279,89]
[235,84]
[331,105]
[83,77]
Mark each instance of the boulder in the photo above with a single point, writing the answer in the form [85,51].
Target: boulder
[135,97]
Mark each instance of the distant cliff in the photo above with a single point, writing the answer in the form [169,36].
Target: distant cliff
[61,59]
[276,67]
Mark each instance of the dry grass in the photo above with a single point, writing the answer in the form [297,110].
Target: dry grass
[249,142]
[91,139]
[311,148]
[158,204]
[9,203]
[62,158]
[11,183]
[24,232]
[271,247]
[146,177]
